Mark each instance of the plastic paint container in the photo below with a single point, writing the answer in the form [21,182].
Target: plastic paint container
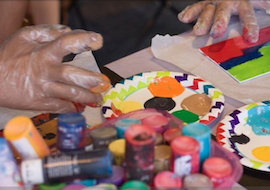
[162,158]
[103,136]
[67,167]
[171,134]
[197,181]
[107,186]
[9,173]
[217,169]
[71,133]
[88,144]
[139,157]
[123,124]
[117,148]
[135,185]
[159,139]
[86,182]
[167,180]
[157,122]
[117,178]
[74,187]
[202,133]
[185,156]
[25,138]
[58,186]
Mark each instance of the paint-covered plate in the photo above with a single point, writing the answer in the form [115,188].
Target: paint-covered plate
[188,97]
[246,132]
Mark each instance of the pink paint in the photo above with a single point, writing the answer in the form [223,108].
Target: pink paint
[167,180]
[170,134]
[74,187]
[157,122]
[231,48]
[217,169]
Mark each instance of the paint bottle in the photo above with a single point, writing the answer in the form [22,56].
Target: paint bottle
[86,182]
[117,148]
[167,180]
[67,167]
[25,138]
[202,133]
[159,123]
[71,133]
[162,158]
[123,124]
[135,184]
[159,139]
[185,156]
[58,186]
[117,178]
[217,169]
[9,173]
[139,157]
[197,181]
[171,134]
[103,136]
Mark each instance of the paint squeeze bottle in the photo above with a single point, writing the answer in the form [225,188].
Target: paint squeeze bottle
[139,158]
[62,168]
[25,138]
[71,133]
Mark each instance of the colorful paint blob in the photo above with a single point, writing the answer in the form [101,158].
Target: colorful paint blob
[262,153]
[242,60]
[160,103]
[126,106]
[167,87]
[186,116]
[259,119]
[199,104]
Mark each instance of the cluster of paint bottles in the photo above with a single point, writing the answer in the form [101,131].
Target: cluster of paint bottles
[130,153]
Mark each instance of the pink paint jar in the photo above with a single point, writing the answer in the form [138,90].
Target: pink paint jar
[217,169]
[185,156]
[157,122]
[167,180]
[170,134]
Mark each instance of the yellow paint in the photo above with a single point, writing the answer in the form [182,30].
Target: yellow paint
[127,106]
[117,148]
[262,153]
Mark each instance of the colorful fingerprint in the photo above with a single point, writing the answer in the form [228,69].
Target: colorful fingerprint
[242,60]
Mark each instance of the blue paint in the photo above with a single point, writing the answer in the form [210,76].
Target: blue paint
[123,124]
[202,133]
[259,119]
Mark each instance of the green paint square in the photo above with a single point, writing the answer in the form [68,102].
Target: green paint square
[186,116]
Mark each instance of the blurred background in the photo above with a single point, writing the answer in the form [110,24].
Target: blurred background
[126,25]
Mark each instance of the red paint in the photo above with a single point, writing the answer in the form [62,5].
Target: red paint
[167,179]
[217,169]
[230,48]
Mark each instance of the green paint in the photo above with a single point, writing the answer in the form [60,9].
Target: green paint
[134,184]
[252,105]
[256,165]
[186,116]
[216,94]
[254,67]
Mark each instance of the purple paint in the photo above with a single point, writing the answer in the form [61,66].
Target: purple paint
[117,178]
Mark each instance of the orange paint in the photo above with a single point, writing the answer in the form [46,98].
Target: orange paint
[262,153]
[166,87]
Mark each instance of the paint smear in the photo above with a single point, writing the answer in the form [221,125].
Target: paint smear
[167,87]
[242,60]
[186,116]
[262,153]
[159,103]
[199,104]
[126,106]
[259,119]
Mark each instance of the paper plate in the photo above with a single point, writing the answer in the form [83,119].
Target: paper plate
[246,132]
[135,90]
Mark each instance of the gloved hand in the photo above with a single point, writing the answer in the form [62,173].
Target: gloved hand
[33,78]
[215,14]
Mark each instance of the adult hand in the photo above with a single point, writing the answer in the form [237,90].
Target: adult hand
[215,14]
[33,78]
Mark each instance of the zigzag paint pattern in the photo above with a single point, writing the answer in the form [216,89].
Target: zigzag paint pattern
[195,85]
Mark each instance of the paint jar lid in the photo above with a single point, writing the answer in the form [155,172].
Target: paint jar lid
[103,132]
[126,122]
[106,186]
[196,129]
[18,127]
[167,179]
[134,184]
[162,152]
[32,172]
[185,145]
[74,187]
[216,167]
[197,180]
[118,146]
[157,122]
[171,134]
[71,119]
[159,139]
[117,177]
[58,186]
[140,135]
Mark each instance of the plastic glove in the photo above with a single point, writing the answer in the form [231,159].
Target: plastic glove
[215,14]
[33,78]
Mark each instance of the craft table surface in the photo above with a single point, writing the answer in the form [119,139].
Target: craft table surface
[144,61]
